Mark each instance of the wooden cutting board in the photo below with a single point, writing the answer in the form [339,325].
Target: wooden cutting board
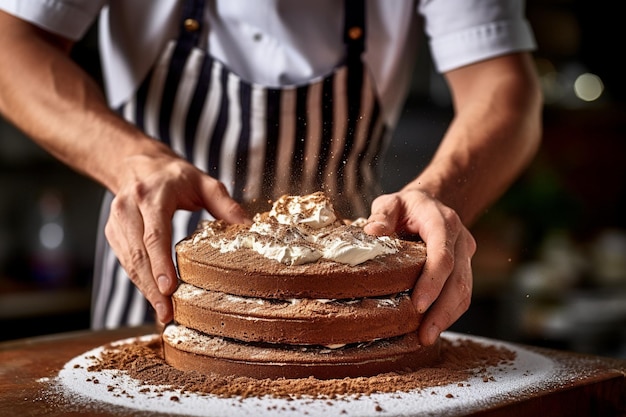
[580,385]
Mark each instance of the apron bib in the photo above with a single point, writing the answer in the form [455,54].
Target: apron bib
[261,142]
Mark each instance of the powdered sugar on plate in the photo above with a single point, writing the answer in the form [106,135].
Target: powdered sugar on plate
[478,391]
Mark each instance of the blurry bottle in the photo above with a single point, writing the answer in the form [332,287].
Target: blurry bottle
[608,255]
[50,261]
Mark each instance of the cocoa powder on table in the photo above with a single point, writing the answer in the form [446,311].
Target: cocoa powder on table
[460,360]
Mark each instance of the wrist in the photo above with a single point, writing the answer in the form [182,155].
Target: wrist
[454,193]
[118,150]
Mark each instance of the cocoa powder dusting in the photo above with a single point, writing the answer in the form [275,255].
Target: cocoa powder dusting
[460,360]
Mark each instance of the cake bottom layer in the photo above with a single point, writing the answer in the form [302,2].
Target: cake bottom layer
[188,349]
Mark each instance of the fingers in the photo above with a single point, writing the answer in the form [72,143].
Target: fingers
[217,201]
[125,232]
[383,220]
[440,234]
[442,293]
[157,240]
[139,227]
[451,292]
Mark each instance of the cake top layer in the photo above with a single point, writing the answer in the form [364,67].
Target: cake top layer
[298,249]
[298,230]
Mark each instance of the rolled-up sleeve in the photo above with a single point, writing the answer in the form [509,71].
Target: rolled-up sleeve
[462,32]
[68,18]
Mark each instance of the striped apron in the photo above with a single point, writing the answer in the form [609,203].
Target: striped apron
[261,142]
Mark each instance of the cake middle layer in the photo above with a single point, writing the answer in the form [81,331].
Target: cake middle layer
[295,321]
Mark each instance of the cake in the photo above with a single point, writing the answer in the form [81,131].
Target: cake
[298,293]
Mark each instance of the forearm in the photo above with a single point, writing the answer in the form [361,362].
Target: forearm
[53,101]
[494,135]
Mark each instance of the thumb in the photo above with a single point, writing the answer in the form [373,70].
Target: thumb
[219,203]
[383,219]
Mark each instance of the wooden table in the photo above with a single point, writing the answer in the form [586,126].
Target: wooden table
[596,386]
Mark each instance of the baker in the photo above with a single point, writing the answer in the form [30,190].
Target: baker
[212,107]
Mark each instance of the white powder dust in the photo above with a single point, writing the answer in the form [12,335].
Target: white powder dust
[528,370]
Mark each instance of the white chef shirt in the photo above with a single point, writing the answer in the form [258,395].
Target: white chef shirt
[282,42]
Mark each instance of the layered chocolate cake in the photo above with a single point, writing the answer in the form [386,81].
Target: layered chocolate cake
[298,293]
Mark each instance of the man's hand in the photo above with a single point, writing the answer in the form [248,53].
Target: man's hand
[494,134]
[444,289]
[57,104]
[139,226]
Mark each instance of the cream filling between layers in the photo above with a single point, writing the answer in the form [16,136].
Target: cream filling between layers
[179,334]
[190,292]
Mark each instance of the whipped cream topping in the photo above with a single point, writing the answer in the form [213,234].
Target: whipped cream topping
[353,246]
[283,243]
[299,230]
[315,210]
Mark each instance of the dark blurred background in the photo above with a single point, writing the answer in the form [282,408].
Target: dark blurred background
[551,263]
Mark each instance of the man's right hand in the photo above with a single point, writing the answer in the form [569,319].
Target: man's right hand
[139,225]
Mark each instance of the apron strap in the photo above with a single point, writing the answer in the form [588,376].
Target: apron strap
[354,29]
[191,22]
